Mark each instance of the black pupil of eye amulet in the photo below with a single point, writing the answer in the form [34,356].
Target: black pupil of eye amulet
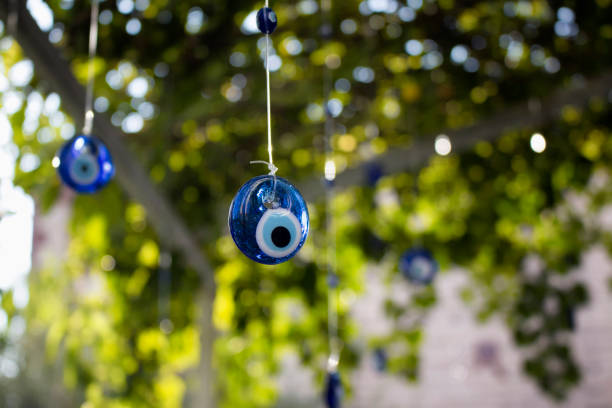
[266,20]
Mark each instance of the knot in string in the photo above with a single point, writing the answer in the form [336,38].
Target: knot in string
[273,169]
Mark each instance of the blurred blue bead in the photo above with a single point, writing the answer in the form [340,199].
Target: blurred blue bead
[332,280]
[570,315]
[418,266]
[326,30]
[374,172]
[333,390]
[380,359]
[268,234]
[266,20]
[85,164]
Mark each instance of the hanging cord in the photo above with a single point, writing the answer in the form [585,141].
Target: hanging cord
[164,292]
[330,174]
[93,42]
[13,18]
[273,169]
[330,238]
[268,100]
[271,200]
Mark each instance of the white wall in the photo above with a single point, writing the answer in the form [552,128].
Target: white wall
[451,374]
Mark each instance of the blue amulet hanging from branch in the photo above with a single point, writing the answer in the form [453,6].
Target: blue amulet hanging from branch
[418,266]
[84,164]
[333,390]
[268,219]
[266,20]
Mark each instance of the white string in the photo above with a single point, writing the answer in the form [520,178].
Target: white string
[335,344]
[273,169]
[93,42]
[13,18]
[332,292]
[164,291]
[268,99]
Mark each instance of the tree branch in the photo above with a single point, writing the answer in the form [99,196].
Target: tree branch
[532,114]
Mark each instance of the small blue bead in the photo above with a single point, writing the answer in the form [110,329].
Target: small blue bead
[570,314]
[332,280]
[333,390]
[268,220]
[266,20]
[374,172]
[85,164]
[418,266]
[380,359]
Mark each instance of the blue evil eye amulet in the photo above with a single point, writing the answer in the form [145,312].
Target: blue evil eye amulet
[268,219]
[418,266]
[380,359]
[84,164]
[266,20]
[333,390]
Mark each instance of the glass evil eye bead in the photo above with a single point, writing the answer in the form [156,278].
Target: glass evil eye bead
[418,266]
[266,20]
[333,390]
[374,172]
[268,219]
[380,359]
[84,164]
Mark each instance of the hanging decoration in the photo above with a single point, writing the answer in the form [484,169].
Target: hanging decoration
[380,359]
[268,218]
[333,384]
[333,390]
[418,266]
[164,295]
[374,172]
[12,18]
[266,20]
[84,163]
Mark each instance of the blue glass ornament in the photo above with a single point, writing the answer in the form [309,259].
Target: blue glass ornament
[266,20]
[570,316]
[418,266]
[374,172]
[332,280]
[84,164]
[380,359]
[268,219]
[333,390]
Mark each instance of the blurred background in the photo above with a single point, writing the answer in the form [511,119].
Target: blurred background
[476,130]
